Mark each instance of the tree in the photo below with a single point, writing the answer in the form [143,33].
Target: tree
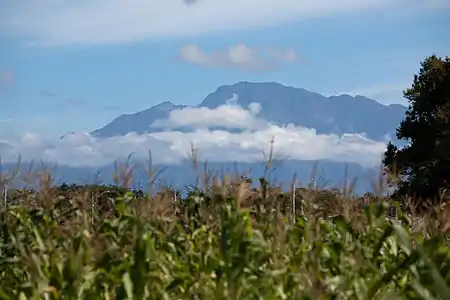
[423,165]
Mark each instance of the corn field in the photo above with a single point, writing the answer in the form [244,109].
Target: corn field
[228,241]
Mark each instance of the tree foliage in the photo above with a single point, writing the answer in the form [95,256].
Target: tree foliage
[423,165]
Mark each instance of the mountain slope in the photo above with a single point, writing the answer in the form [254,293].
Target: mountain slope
[281,105]
[335,114]
[138,122]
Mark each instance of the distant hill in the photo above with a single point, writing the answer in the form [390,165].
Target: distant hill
[281,105]
[327,174]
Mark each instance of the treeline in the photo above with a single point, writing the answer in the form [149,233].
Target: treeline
[102,197]
[421,169]
[102,193]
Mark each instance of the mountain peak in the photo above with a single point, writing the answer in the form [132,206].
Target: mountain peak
[241,85]
[164,105]
[266,85]
[259,83]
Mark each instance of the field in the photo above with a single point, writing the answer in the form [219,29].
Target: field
[225,240]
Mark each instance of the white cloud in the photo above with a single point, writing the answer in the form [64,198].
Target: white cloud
[81,149]
[292,142]
[240,56]
[230,116]
[62,22]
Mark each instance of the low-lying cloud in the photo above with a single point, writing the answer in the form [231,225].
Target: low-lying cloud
[239,56]
[229,116]
[171,147]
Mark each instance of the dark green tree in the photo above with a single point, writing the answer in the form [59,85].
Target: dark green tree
[423,165]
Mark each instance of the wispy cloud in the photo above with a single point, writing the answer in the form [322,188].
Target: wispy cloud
[171,147]
[89,22]
[239,56]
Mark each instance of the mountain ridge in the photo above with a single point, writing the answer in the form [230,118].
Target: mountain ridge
[327,115]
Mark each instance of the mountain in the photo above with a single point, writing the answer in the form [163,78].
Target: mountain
[138,122]
[281,105]
[335,114]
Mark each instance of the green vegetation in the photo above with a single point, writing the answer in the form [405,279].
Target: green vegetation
[228,240]
[423,166]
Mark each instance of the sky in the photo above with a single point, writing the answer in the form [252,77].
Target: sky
[73,66]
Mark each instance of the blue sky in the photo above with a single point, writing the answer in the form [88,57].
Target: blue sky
[76,65]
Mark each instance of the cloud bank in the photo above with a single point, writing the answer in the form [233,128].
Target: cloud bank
[230,116]
[171,147]
[91,22]
[240,56]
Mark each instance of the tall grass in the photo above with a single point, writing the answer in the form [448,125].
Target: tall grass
[225,240]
